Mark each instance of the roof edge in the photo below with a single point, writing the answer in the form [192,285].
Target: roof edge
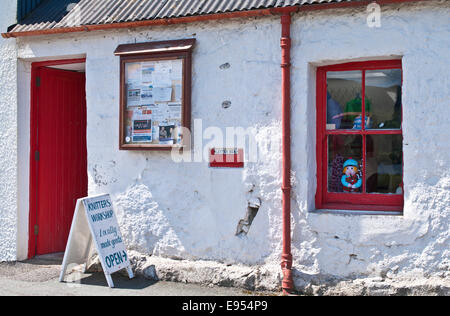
[170,21]
[206,17]
[155,47]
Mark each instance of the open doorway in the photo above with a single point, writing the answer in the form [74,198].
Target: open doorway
[58,155]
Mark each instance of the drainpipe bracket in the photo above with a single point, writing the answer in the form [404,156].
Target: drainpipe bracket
[286,189]
[286,261]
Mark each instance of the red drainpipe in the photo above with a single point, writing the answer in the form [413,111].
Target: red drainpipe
[286,256]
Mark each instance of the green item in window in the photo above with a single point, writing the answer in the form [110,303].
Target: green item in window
[353,108]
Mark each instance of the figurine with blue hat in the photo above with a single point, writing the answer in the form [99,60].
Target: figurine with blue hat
[351,180]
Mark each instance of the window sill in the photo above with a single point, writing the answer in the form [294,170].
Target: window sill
[355,212]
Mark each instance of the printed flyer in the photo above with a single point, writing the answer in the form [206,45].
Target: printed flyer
[142,126]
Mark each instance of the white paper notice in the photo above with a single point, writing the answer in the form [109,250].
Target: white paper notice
[162,79]
[162,73]
[177,69]
[163,67]
[155,130]
[147,72]
[162,94]
[174,111]
[134,73]
[133,81]
[178,92]
[160,112]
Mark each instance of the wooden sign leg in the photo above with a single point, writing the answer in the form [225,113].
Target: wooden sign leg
[130,272]
[69,243]
[89,254]
[109,280]
[63,271]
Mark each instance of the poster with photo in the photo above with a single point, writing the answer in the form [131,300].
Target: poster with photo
[167,133]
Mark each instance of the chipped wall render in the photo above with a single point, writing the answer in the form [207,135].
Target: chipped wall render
[252,210]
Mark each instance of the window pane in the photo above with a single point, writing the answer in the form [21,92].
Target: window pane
[343,99]
[384,164]
[384,96]
[344,163]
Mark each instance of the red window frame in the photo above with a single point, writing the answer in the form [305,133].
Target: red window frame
[342,201]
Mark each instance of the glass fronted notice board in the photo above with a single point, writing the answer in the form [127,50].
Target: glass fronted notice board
[155,99]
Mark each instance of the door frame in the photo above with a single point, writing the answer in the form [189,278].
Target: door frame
[33,187]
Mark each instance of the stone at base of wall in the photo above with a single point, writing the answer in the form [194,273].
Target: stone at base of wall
[267,278]
[208,273]
[382,287]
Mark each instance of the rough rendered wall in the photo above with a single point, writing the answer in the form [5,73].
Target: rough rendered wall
[417,243]
[8,136]
[189,211]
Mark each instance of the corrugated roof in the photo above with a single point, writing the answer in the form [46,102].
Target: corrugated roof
[180,8]
[89,12]
[69,13]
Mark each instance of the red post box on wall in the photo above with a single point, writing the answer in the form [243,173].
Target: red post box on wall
[226,158]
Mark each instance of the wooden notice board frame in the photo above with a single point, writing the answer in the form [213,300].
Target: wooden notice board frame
[157,52]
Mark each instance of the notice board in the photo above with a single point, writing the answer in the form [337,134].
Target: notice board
[155,94]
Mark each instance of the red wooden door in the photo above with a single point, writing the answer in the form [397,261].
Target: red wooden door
[60,156]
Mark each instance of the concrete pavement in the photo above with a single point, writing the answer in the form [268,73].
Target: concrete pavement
[39,277]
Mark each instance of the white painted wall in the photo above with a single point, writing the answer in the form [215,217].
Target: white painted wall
[418,242]
[23,157]
[8,136]
[189,211]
